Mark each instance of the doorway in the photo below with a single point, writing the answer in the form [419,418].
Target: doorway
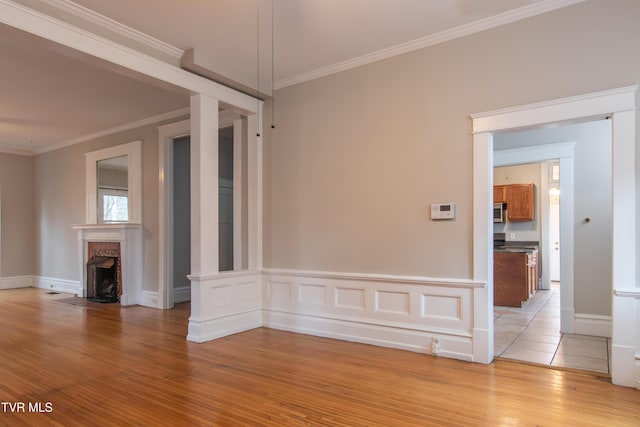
[620,106]
[180,220]
[175,205]
[181,224]
[582,299]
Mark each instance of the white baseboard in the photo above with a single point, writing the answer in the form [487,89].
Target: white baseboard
[567,320]
[207,330]
[16,282]
[182,294]
[378,335]
[624,369]
[589,324]
[59,285]
[150,299]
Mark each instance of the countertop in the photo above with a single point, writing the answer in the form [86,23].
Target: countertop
[517,246]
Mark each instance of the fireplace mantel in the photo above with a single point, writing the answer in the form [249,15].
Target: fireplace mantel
[130,238]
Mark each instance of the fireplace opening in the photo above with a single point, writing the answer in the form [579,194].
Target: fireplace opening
[102,279]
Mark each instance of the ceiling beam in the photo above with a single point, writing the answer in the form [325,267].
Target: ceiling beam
[42,25]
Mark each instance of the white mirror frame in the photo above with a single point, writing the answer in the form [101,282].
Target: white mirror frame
[133,151]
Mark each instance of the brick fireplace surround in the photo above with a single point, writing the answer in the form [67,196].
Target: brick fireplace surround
[125,239]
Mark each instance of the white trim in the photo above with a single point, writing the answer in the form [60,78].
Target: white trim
[204,177]
[166,135]
[545,210]
[594,325]
[430,40]
[483,347]
[202,331]
[373,334]
[223,304]
[627,293]
[254,188]
[18,149]
[60,285]
[404,312]
[239,228]
[621,104]
[385,278]
[533,154]
[97,19]
[150,299]
[42,25]
[181,294]
[133,151]
[117,129]
[592,105]
[15,282]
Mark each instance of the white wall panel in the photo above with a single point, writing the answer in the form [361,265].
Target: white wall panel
[350,298]
[313,294]
[392,311]
[393,302]
[233,305]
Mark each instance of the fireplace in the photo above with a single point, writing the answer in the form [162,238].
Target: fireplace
[121,241]
[102,279]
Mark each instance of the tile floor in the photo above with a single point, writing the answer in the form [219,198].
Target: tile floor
[532,334]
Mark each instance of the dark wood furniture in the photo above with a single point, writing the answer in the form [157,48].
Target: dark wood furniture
[515,276]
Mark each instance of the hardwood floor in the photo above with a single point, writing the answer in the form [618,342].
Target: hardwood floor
[94,364]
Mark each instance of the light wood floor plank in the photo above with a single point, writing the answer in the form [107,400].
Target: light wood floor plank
[101,364]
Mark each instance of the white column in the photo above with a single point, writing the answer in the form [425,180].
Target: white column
[625,328]
[239,184]
[482,247]
[222,303]
[204,186]
[254,157]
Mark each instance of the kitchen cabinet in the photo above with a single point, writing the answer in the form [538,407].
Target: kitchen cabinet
[520,202]
[499,194]
[515,276]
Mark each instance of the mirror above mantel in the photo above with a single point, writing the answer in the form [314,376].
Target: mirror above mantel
[114,184]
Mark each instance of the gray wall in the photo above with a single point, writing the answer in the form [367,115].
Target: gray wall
[356,158]
[17,207]
[181,212]
[60,203]
[592,198]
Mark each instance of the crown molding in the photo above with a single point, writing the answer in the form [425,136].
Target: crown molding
[431,40]
[128,126]
[102,21]
[16,149]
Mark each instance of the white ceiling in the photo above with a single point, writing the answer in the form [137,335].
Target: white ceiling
[52,96]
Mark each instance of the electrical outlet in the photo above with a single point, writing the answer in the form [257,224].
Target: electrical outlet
[512,236]
[435,346]
[51,286]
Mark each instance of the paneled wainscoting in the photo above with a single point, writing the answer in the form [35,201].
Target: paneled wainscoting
[418,314]
[232,303]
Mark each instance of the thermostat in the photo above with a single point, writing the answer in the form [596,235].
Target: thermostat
[443,211]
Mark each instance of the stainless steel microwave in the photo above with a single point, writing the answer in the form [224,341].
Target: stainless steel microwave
[498,212]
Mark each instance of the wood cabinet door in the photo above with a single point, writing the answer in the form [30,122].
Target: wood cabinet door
[520,202]
[510,279]
[499,194]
